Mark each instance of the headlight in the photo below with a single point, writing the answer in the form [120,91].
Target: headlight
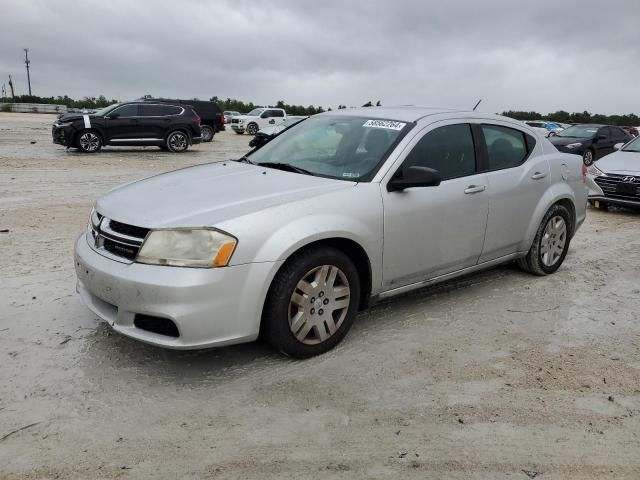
[187,247]
[594,171]
[574,145]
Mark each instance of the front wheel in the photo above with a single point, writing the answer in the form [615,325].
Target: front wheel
[207,133]
[252,129]
[89,142]
[177,142]
[312,303]
[588,157]
[551,243]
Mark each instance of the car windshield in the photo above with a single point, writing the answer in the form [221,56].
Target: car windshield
[255,112]
[341,147]
[633,146]
[579,132]
[105,110]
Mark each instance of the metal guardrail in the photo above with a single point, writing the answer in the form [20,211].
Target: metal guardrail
[32,108]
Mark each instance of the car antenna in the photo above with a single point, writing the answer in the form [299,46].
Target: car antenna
[474,108]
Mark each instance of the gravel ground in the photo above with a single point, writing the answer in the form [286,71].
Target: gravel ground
[497,375]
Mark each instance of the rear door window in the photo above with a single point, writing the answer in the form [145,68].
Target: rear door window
[506,147]
[126,111]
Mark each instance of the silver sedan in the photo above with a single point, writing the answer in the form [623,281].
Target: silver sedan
[615,179]
[337,212]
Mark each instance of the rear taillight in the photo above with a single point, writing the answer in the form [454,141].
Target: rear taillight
[584,171]
[195,120]
[222,118]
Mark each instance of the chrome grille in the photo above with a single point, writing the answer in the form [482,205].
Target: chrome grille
[115,239]
[620,186]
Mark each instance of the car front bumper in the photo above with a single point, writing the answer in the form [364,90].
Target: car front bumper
[238,127]
[595,193]
[210,307]
[62,135]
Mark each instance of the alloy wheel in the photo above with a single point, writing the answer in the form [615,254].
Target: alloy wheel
[89,142]
[553,241]
[319,304]
[178,142]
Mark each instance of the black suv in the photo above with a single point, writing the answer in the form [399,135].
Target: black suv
[211,117]
[170,127]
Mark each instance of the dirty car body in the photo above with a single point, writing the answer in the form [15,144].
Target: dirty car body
[328,217]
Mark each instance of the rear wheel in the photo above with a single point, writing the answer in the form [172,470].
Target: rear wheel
[588,157]
[89,142]
[177,142]
[312,303]
[550,244]
[207,133]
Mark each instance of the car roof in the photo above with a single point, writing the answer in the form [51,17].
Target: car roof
[408,113]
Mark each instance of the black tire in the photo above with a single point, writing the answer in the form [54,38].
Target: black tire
[89,141]
[279,305]
[177,141]
[252,128]
[533,262]
[207,133]
[588,157]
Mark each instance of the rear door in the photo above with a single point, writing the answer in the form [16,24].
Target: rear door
[431,231]
[155,119]
[604,142]
[517,178]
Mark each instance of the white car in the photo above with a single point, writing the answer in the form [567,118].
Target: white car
[257,119]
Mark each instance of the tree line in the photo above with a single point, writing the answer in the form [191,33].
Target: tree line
[86,102]
[562,116]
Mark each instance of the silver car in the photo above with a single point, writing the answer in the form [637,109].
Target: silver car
[615,179]
[337,212]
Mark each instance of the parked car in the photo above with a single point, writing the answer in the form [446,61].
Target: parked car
[590,141]
[333,214]
[211,117]
[256,119]
[266,134]
[229,114]
[615,180]
[543,127]
[633,131]
[170,127]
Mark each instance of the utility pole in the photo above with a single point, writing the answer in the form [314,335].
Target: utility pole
[27,62]
[4,91]
[13,96]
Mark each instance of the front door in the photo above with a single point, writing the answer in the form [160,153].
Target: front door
[431,231]
[123,123]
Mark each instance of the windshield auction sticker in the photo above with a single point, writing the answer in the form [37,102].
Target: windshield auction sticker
[388,124]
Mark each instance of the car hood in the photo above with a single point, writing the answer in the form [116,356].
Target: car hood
[620,163]
[206,195]
[68,117]
[562,141]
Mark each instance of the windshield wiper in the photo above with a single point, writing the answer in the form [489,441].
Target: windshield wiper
[244,159]
[286,167]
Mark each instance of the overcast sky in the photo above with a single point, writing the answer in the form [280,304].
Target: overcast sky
[541,55]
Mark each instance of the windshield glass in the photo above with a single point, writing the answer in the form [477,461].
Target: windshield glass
[633,146]
[346,148]
[105,110]
[255,112]
[579,132]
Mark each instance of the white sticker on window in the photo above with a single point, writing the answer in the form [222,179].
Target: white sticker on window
[350,175]
[388,124]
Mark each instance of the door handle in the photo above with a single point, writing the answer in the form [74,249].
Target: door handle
[538,175]
[474,189]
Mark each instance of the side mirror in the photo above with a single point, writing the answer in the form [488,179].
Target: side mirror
[601,137]
[415,177]
[113,116]
[618,146]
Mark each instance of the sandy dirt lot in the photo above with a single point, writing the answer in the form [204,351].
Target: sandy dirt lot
[500,375]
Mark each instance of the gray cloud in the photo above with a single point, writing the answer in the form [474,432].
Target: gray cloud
[543,55]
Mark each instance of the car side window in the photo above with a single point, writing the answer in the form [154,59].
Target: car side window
[151,110]
[126,111]
[604,131]
[277,113]
[266,114]
[449,150]
[506,147]
[171,110]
